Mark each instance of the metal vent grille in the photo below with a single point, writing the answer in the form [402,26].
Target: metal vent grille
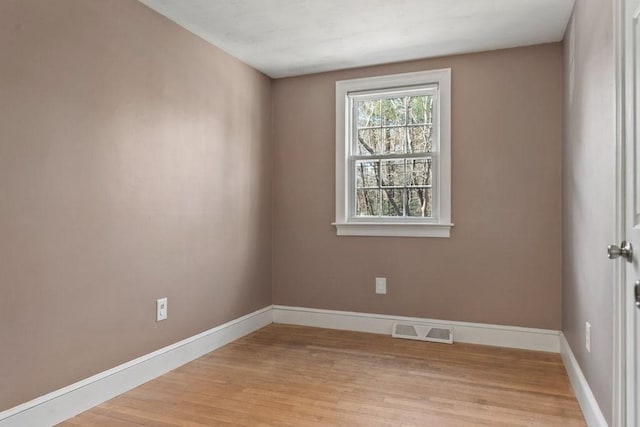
[439,333]
[406,330]
[422,332]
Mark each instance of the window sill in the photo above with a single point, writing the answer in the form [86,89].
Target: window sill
[393,229]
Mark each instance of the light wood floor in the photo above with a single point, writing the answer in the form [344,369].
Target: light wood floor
[299,376]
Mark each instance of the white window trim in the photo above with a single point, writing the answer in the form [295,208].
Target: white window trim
[438,226]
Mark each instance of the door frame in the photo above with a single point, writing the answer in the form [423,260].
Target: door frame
[623,401]
[619,274]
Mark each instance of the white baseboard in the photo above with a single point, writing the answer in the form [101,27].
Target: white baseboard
[590,408]
[69,401]
[475,333]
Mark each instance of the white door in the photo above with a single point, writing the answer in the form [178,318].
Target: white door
[631,131]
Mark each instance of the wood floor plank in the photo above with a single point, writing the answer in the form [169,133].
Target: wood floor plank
[285,375]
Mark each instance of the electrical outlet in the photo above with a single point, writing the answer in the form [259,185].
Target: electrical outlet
[587,336]
[161,309]
[381,285]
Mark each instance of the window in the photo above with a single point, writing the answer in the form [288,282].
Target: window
[393,174]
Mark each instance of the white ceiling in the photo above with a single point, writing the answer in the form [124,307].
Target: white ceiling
[292,37]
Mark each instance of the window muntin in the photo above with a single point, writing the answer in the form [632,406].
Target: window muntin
[392,155]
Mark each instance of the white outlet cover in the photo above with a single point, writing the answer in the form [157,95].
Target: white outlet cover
[161,309]
[381,285]
[587,338]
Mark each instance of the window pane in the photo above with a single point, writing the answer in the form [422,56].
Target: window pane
[392,173]
[393,111]
[419,202]
[367,174]
[394,140]
[419,172]
[392,204]
[420,139]
[420,109]
[367,202]
[368,113]
[368,142]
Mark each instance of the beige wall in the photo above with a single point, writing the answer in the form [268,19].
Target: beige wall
[502,263]
[588,186]
[135,163]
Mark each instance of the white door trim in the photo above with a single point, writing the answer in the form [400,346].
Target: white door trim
[625,388]
[619,321]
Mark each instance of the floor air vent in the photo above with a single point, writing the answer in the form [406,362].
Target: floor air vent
[414,331]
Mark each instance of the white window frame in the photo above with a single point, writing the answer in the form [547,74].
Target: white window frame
[439,224]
